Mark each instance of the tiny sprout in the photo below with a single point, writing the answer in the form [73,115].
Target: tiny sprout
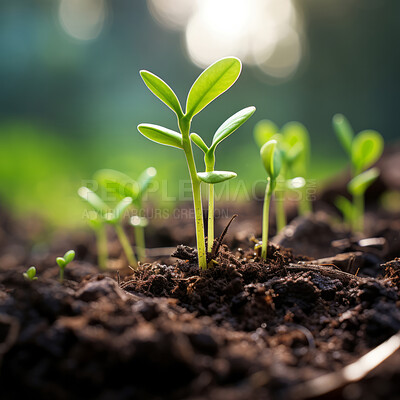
[112,217]
[210,176]
[363,149]
[30,274]
[64,261]
[211,83]
[272,160]
[124,186]
[294,145]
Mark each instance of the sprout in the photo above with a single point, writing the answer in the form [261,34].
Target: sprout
[30,274]
[114,218]
[64,261]
[123,186]
[294,145]
[272,160]
[364,150]
[211,83]
[210,176]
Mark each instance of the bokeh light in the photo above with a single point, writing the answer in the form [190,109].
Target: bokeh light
[265,33]
[82,19]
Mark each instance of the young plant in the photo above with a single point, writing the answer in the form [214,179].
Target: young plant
[211,83]
[210,176]
[113,217]
[294,145]
[363,149]
[122,186]
[30,274]
[64,261]
[272,160]
[297,138]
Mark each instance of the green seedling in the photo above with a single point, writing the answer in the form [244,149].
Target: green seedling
[211,83]
[112,217]
[122,186]
[294,145]
[297,138]
[64,261]
[363,149]
[30,274]
[210,176]
[272,161]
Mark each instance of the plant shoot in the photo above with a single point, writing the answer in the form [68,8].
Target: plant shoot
[272,161]
[211,83]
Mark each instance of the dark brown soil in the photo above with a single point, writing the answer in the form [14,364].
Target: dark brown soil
[244,329]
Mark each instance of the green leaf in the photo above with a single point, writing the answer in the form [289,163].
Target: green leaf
[145,179]
[118,183]
[61,262]
[69,256]
[367,147]
[345,206]
[360,183]
[30,274]
[93,199]
[271,158]
[119,210]
[162,91]
[344,131]
[211,83]
[264,131]
[214,177]
[231,124]
[161,135]
[199,142]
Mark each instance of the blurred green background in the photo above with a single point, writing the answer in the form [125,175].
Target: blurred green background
[71,96]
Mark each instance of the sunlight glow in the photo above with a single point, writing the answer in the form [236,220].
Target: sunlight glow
[265,33]
[82,19]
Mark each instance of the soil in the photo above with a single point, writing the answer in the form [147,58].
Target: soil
[244,329]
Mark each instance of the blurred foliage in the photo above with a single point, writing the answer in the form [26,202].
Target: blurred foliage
[70,107]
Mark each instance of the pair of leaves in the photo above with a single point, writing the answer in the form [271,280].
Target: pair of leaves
[211,83]
[101,207]
[364,149]
[271,158]
[123,185]
[64,261]
[30,274]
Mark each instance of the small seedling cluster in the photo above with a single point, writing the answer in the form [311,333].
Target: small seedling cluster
[285,154]
[62,262]
[363,149]
[127,193]
[211,83]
